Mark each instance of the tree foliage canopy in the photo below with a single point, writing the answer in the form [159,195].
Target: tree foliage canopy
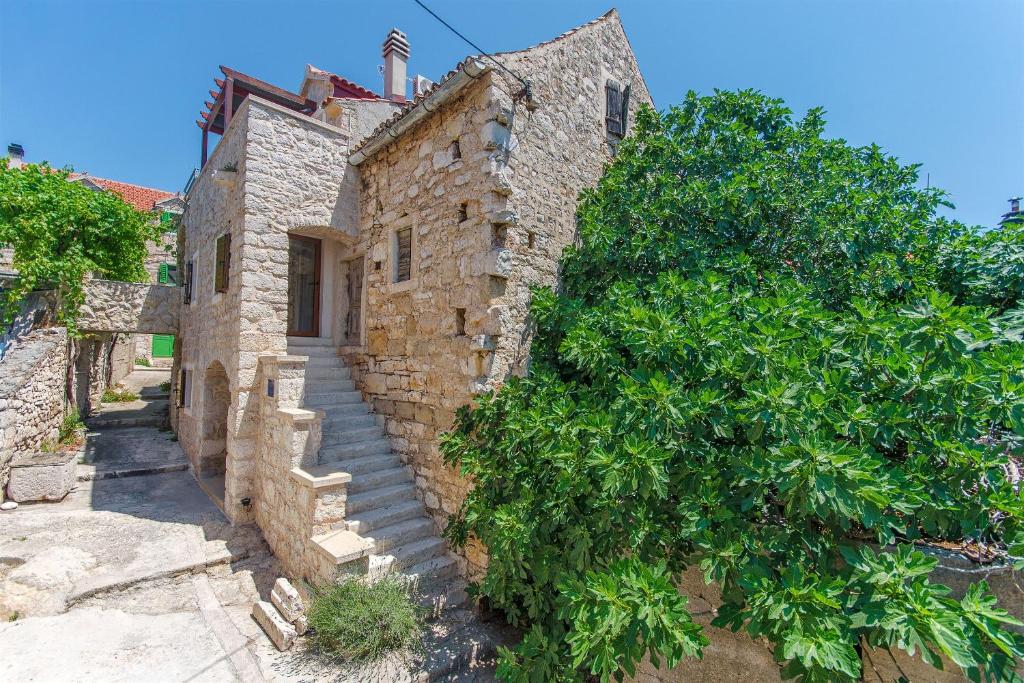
[62,231]
[755,365]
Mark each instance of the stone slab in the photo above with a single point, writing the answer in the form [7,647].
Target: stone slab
[273,624]
[42,476]
[287,600]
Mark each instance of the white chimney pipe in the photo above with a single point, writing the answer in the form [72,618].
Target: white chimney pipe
[396,57]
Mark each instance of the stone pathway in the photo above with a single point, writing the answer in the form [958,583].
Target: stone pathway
[137,575]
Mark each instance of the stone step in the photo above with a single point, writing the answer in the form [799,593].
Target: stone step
[310,341]
[369,520]
[365,465]
[431,570]
[325,395]
[379,498]
[345,421]
[316,363]
[375,480]
[402,533]
[327,375]
[418,552]
[333,452]
[318,351]
[330,386]
[347,435]
[333,409]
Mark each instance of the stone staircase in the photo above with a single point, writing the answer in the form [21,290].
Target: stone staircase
[382,506]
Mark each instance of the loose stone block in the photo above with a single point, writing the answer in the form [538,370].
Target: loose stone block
[273,624]
[42,476]
[287,600]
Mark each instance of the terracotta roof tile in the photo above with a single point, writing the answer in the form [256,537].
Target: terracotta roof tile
[142,198]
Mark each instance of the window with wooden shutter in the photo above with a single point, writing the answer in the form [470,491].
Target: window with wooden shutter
[188,282]
[403,254]
[161,275]
[613,108]
[223,264]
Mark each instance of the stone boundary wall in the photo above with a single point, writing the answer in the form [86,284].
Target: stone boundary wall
[35,308]
[735,656]
[129,307]
[32,379]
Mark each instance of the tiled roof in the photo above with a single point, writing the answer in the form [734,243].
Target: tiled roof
[142,198]
[348,89]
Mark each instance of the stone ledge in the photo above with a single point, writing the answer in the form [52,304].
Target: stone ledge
[319,479]
[42,476]
[343,546]
[299,415]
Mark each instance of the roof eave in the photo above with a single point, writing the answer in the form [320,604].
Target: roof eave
[469,71]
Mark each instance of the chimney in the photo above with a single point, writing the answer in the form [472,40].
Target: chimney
[1015,204]
[17,154]
[396,56]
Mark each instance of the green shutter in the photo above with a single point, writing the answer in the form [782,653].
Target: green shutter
[163,345]
[162,274]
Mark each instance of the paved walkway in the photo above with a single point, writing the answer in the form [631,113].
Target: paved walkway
[137,576]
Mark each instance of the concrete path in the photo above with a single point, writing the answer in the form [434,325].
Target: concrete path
[137,576]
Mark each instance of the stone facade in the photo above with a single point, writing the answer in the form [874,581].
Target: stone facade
[160,253]
[32,389]
[486,227]
[487,184]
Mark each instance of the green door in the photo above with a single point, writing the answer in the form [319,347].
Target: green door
[163,345]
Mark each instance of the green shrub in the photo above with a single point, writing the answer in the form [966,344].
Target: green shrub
[747,370]
[143,361]
[356,622]
[119,394]
[165,386]
[69,434]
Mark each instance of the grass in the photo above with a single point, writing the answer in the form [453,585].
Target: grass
[355,622]
[143,361]
[119,394]
[70,435]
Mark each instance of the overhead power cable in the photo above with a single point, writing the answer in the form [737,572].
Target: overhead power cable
[526,83]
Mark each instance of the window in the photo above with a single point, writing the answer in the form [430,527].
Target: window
[499,236]
[403,254]
[616,108]
[167,220]
[463,212]
[460,321]
[222,269]
[455,149]
[185,388]
[531,239]
[188,282]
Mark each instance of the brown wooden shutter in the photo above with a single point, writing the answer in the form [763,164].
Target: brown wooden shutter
[188,282]
[222,269]
[403,270]
[613,107]
[624,118]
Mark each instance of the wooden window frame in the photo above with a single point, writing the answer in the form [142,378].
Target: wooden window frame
[396,273]
[189,274]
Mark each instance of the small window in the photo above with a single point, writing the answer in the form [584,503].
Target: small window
[403,254]
[616,108]
[463,212]
[168,274]
[455,149]
[460,321]
[222,271]
[185,389]
[188,282]
[531,239]
[499,236]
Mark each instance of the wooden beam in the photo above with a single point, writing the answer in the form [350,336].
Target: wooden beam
[229,102]
[206,140]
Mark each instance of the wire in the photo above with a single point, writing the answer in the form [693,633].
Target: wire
[526,84]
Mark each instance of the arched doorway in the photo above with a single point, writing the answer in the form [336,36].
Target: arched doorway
[213,454]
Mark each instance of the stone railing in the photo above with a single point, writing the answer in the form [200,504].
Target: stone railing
[129,307]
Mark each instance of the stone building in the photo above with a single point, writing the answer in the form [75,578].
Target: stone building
[355,267]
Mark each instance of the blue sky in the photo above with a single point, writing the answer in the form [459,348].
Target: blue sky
[113,88]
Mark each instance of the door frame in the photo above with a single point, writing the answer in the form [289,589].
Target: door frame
[317,258]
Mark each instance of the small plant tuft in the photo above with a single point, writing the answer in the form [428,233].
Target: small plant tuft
[143,361]
[356,622]
[69,435]
[165,386]
[119,394]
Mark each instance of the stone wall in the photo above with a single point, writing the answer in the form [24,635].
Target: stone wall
[129,307]
[735,656]
[458,327]
[32,389]
[159,253]
[290,177]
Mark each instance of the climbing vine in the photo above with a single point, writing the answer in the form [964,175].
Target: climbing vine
[61,231]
